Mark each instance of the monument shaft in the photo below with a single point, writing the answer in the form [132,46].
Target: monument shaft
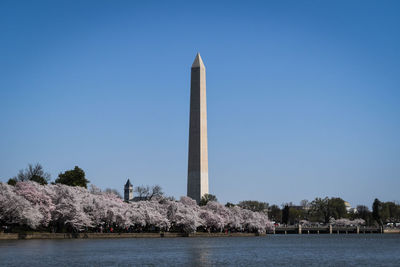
[198,151]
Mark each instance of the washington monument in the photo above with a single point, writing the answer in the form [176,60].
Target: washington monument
[198,153]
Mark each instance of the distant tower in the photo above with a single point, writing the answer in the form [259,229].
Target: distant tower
[198,152]
[128,191]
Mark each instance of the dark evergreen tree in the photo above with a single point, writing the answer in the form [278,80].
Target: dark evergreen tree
[75,177]
[376,211]
[12,181]
[285,214]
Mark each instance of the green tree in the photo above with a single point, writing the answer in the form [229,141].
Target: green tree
[207,198]
[319,209]
[275,213]
[75,177]
[296,214]
[323,209]
[337,208]
[253,205]
[390,212]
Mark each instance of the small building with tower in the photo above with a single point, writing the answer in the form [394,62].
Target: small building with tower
[128,191]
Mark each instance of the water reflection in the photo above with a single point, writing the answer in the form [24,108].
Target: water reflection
[199,252]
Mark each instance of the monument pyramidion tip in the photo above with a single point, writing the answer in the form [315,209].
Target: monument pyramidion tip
[198,62]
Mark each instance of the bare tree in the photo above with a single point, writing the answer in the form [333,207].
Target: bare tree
[94,189]
[305,204]
[142,191]
[156,191]
[33,173]
[145,193]
[113,191]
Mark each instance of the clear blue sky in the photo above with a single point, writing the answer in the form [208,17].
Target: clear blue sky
[303,96]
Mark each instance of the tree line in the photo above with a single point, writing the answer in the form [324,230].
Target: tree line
[320,210]
[325,210]
[61,208]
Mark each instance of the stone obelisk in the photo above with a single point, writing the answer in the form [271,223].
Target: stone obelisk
[198,152]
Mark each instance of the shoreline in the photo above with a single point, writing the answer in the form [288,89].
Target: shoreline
[26,236]
[44,235]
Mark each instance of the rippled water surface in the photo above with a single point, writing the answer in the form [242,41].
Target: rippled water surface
[273,250]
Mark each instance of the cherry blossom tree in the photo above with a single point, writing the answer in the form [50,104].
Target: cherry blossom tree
[15,209]
[70,203]
[38,198]
[74,208]
[184,214]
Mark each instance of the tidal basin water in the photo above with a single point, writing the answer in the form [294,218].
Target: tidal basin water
[271,250]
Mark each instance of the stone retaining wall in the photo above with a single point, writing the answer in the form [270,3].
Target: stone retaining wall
[11,236]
